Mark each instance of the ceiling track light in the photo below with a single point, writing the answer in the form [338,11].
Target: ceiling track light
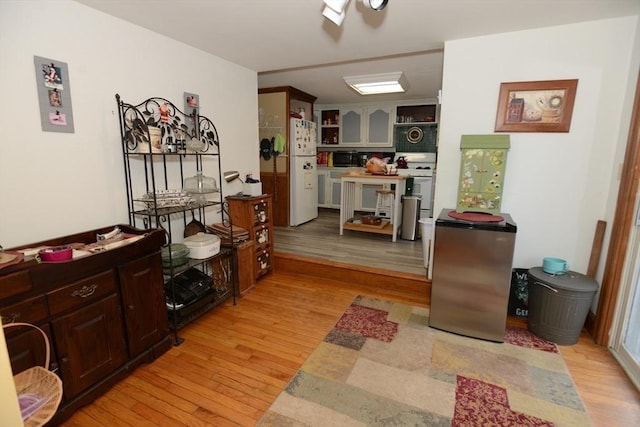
[336,5]
[335,10]
[333,16]
[375,4]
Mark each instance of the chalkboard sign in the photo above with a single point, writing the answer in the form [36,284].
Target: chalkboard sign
[519,295]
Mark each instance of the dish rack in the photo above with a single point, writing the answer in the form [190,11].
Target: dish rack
[38,389]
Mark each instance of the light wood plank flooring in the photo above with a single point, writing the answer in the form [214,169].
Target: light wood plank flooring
[320,238]
[236,360]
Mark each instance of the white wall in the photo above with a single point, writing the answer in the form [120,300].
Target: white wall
[53,184]
[557,185]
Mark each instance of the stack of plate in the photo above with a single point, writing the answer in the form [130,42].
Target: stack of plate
[166,199]
[175,255]
[224,231]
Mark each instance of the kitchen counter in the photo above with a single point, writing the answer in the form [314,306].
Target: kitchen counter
[348,196]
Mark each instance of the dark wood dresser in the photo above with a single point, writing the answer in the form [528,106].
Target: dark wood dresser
[104,313]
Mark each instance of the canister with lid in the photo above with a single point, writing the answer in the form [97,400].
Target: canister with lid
[202,245]
[559,304]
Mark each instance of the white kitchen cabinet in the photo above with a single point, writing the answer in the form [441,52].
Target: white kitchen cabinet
[351,121]
[329,191]
[323,188]
[335,187]
[329,187]
[379,126]
[336,192]
[367,196]
[329,125]
[357,125]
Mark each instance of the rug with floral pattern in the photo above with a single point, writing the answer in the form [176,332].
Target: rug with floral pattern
[382,365]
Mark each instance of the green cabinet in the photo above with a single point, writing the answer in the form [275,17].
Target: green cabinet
[482,168]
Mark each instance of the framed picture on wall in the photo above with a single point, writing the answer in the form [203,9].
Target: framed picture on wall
[539,106]
[54,95]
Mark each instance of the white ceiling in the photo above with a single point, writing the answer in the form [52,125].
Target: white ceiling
[290,43]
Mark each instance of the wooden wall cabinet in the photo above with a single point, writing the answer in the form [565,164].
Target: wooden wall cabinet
[246,270]
[275,104]
[144,307]
[255,215]
[104,313]
[90,343]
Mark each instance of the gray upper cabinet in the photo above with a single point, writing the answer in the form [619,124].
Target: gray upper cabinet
[379,131]
[351,121]
[359,125]
[372,125]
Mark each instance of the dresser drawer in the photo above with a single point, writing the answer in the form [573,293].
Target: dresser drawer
[82,292]
[261,214]
[263,263]
[14,284]
[33,310]
[262,237]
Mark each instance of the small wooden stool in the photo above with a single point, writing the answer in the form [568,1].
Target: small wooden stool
[384,204]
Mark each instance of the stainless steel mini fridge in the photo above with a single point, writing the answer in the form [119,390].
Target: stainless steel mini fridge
[472,264]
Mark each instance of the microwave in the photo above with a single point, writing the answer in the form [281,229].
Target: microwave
[346,158]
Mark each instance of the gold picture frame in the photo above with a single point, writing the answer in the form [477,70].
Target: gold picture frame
[538,106]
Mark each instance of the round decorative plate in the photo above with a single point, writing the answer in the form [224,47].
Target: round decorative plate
[414,135]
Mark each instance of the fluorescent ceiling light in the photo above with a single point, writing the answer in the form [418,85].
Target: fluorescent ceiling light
[373,84]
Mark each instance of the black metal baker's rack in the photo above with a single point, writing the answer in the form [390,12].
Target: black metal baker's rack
[157,166]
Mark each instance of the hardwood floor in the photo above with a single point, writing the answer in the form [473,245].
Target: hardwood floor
[236,359]
[320,238]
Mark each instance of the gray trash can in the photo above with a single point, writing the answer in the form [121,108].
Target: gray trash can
[409,227]
[559,304]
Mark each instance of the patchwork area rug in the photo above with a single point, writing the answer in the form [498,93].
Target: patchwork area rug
[381,365]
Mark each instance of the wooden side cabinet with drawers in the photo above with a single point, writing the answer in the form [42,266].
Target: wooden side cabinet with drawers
[255,215]
[104,313]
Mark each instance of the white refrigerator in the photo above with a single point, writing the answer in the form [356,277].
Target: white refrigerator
[303,172]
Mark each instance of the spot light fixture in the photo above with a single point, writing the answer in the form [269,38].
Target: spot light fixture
[374,84]
[335,10]
[375,4]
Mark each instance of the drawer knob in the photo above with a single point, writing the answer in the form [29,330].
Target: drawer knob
[85,291]
[10,318]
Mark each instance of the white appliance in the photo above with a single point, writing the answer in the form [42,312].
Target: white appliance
[422,167]
[303,171]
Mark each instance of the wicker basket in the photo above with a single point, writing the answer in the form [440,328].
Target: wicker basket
[39,390]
